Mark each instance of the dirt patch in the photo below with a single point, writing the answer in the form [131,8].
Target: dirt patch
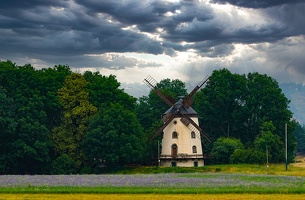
[299,160]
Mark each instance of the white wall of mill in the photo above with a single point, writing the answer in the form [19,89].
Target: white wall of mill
[184,141]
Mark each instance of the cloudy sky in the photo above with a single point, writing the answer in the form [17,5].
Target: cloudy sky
[173,39]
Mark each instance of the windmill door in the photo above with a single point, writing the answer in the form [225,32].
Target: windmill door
[174,150]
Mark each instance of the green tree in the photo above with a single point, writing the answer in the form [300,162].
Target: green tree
[223,148]
[115,136]
[270,141]
[220,104]
[26,140]
[50,81]
[265,102]
[103,90]
[237,105]
[77,110]
[300,137]
[8,127]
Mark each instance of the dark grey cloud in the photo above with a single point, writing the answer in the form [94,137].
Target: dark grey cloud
[291,16]
[64,31]
[17,5]
[46,30]
[258,3]
[126,12]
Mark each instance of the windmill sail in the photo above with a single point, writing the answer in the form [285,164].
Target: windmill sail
[188,101]
[182,108]
[151,83]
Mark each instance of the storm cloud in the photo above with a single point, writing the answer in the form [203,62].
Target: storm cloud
[178,38]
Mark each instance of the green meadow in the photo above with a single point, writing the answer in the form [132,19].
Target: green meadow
[216,179]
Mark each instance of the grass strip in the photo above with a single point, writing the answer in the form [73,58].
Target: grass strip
[152,196]
[148,190]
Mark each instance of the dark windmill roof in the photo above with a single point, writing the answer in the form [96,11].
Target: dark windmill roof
[182,109]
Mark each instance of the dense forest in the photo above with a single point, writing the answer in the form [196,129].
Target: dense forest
[56,121]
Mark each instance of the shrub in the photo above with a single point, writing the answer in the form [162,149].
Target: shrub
[223,148]
[64,164]
[248,156]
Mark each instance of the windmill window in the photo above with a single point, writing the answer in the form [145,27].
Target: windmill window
[194,149]
[193,135]
[174,135]
[175,122]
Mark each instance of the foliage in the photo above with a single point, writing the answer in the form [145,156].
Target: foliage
[115,136]
[300,137]
[233,105]
[104,90]
[271,142]
[46,108]
[50,81]
[223,148]
[69,135]
[64,164]
[220,104]
[249,156]
[25,144]
[8,126]
[45,115]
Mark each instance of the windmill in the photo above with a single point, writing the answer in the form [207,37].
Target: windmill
[181,143]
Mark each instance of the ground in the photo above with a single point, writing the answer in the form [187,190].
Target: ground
[299,160]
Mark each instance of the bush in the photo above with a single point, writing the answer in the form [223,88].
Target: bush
[248,156]
[223,148]
[86,170]
[64,164]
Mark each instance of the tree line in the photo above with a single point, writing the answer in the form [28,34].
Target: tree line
[55,121]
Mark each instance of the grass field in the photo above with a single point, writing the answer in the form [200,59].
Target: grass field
[151,196]
[296,169]
[209,182]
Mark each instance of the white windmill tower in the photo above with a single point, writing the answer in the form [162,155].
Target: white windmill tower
[181,143]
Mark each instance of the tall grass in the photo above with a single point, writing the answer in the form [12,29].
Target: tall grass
[152,196]
[275,169]
[216,179]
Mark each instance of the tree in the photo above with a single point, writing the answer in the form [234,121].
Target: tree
[8,126]
[220,104]
[270,141]
[115,137]
[50,81]
[300,137]
[103,90]
[223,148]
[265,102]
[237,105]
[26,140]
[69,135]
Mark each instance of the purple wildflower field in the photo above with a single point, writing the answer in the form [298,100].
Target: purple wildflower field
[194,180]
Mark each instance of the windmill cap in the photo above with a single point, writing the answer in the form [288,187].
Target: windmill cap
[178,106]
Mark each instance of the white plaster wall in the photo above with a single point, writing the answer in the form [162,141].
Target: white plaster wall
[184,140]
[189,163]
